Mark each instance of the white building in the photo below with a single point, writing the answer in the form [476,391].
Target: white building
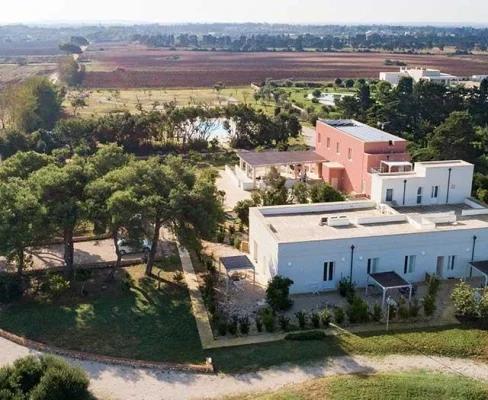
[418,74]
[316,245]
[432,182]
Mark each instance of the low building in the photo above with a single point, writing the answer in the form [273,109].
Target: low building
[418,74]
[317,245]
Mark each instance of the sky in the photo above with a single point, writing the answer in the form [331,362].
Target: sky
[284,11]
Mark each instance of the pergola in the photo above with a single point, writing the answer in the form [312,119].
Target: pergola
[249,161]
[387,281]
[236,263]
[481,266]
[400,166]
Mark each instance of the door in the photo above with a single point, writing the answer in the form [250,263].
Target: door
[439,271]
[434,195]
[328,275]
[335,183]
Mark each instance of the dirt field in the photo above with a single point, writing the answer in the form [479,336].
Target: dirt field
[130,66]
[33,48]
[12,73]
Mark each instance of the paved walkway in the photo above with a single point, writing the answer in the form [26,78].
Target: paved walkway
[233,193]
[121,383]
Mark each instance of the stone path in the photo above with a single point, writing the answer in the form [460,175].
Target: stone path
[124,383]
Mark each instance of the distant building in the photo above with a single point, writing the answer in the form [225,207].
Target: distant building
[418,74]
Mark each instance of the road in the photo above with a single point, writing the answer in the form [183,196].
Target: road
[124,383]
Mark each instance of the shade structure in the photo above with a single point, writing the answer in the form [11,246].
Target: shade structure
[387,281]
[274,158]
[482,267]
[236,263]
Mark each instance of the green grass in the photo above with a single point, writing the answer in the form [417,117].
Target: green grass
[417,385]
[454,341]
[142,323]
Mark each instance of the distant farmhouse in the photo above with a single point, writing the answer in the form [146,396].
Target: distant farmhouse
[418,74]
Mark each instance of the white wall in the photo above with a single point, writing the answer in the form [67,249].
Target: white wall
[459,186]
[303,262]
[391,77]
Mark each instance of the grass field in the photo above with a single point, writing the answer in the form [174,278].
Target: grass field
[393,386]
[141,323]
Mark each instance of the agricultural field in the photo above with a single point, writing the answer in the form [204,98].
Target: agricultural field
[118,65]
[13,73]
[31,48]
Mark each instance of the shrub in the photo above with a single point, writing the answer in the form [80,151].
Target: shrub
[222,328]
[244,325]
[302,319]
[284,322]
[268,319]
[429,305]
[377,313]
[307,335]
[126,283]
[220,236]
[414,308]
[277,293]
[434,284]
[56,284]
[231,229]
[339,315]
[11,288]
[242,210]
[357,311]
[232,325]
[326,318]
[259,323]
[83,274]
[393,311]
[464,299]
[403,311]
[315,319]
[346,287]
[43,378]
[237,243]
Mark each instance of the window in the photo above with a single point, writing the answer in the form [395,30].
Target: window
[319,137]
[373,265]
[409,266]
[450,263]
[349,154]
[337,148]
[329,270]
[389,195]
[434,192]
[328,142]
[419,195]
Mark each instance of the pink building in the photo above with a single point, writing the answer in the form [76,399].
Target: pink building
[355,151]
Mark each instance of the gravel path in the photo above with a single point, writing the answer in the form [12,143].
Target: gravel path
[114,382]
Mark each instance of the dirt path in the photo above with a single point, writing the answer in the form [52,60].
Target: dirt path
[115,382]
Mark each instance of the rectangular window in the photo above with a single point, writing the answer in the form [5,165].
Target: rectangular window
[409,265]
[419,195]
[328,142]
[338,148]
[349,154]
[373,265]
[389,195]
[434,192]
[450,263]
[328,271]
[319,137]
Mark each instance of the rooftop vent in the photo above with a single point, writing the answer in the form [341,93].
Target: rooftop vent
[339,220]
[323,221]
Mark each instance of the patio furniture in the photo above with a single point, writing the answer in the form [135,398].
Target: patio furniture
[388,281]
[405,291]
[238,285]
[234,266]
[315,288]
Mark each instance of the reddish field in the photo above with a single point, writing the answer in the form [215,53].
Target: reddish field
[141,67]
[33,48]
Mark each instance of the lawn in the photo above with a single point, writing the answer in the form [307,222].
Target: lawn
[393,386]
[141,323]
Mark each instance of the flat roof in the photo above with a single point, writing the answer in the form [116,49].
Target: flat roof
[268,158]
[363,218]
[481,266]
[233,263]
[389,280]
[361,131]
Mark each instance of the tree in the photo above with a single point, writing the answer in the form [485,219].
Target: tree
[21,221]
[317,93]
[22,164]
[61,192]
[13,141]
[276,192]
[455,138]
[242,210]
[31,105]
[338,81]
[349,83]
[69,71]
[79,41]
[324,193]
[75,134]
[70,48]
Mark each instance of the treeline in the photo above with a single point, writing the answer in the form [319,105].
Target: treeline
[465,42]
[441,123]
[32,111]
[43,197]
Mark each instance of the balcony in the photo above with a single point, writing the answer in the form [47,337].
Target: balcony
[393,167]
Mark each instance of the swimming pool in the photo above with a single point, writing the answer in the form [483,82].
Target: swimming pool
[216,130]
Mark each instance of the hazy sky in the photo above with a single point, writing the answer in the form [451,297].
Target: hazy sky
[292,11]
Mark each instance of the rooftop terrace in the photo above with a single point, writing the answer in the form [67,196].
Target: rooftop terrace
[352,219]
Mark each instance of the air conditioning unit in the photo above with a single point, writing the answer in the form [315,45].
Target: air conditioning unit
[323,221]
